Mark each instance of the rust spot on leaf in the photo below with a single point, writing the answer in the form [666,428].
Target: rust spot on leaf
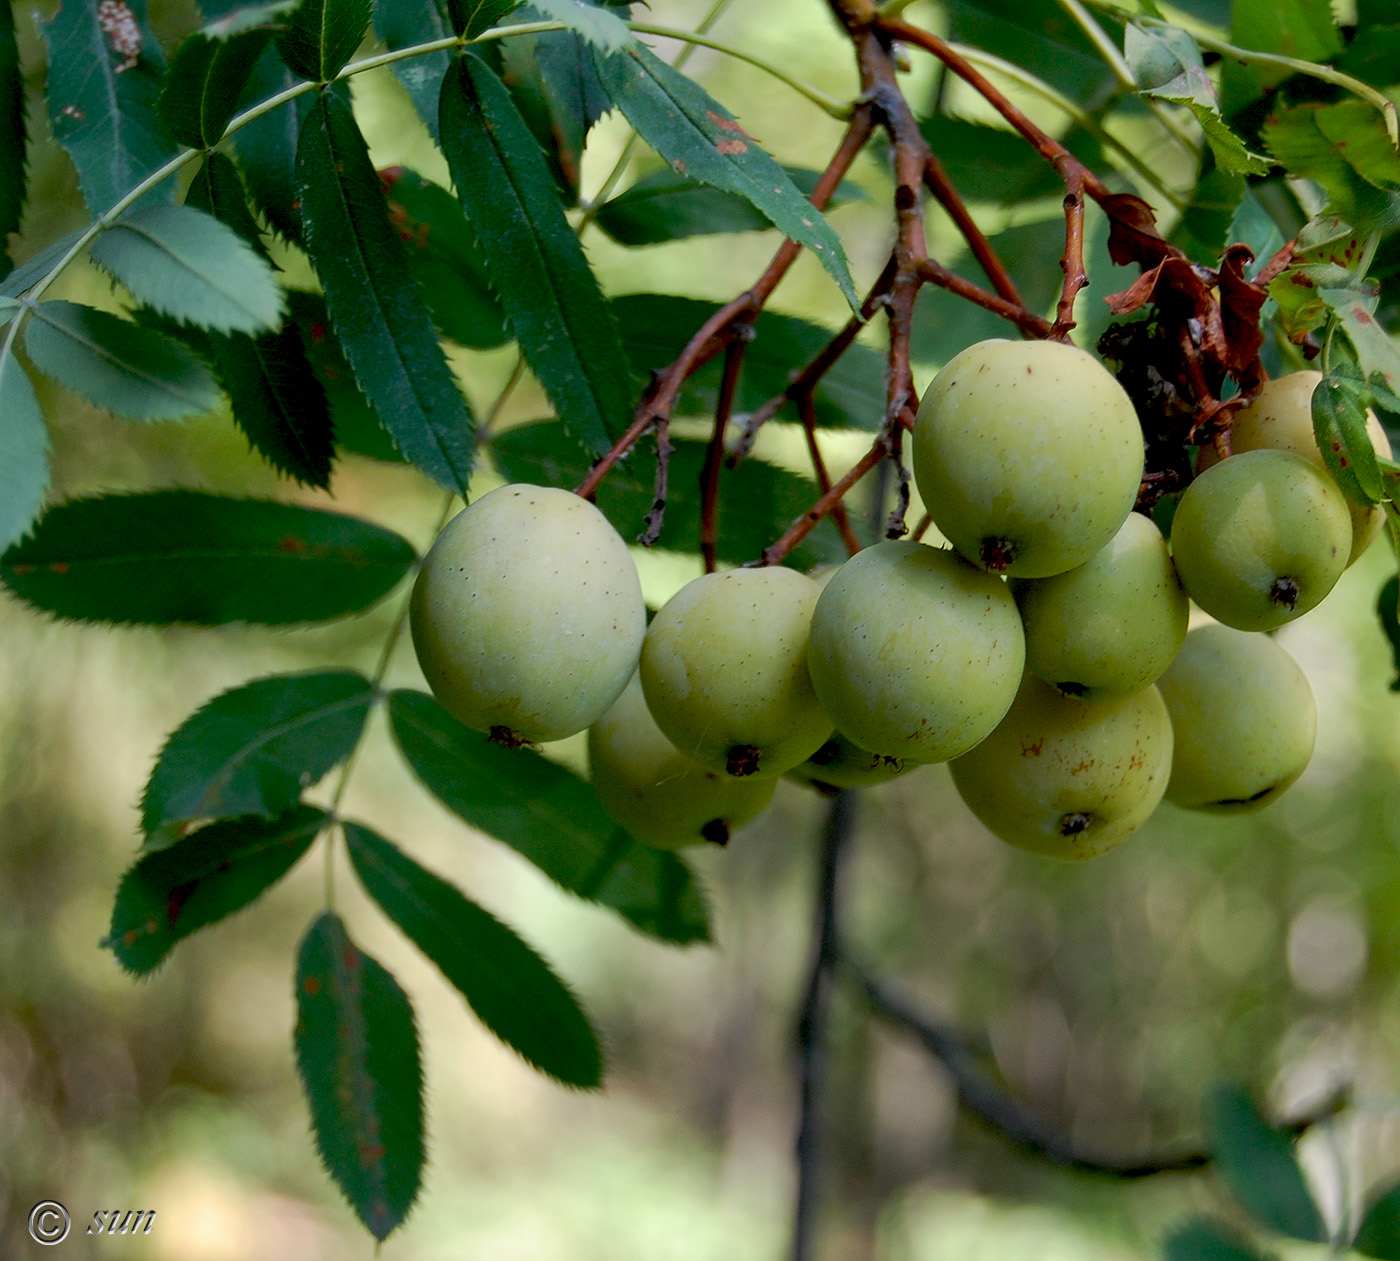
[290,545]
[731,147]
[312,985]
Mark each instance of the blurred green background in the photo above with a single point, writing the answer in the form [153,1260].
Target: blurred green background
[1109,996]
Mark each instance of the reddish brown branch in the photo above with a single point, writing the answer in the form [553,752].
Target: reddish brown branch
[810,519]
[937,182]
[714,453]
[1072,262]
[1026,321]
[922,528]
[838,511]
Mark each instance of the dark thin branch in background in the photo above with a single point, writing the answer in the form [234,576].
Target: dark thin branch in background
[714,453]
[982,1096]
[663,466]
[1027,321]
[812,1022]
[810,519]
[808,409]
[937,182]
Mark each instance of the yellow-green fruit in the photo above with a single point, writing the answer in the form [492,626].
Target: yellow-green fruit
[724,668]
[1261,538]
[915,653]
[527,615]
[1112,625]
[1028,455]
[1244,717]
[1069,777]
[841,763]
[1280,419]
[659,796]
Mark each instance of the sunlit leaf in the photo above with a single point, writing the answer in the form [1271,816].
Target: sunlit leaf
[182,556]
[1305,29]
[1339,425]
[1316,142]
[549,815]
[511,989]
[253,750]
[210,874]
[24,451]
[357,1052]
[594,23]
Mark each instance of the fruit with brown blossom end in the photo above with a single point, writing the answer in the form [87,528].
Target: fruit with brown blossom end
[724,668]
[841,763]
[914,653]
[527,615]
[1261,538]
[1028,455]
[659,796]
[1245,721]
[1069,777]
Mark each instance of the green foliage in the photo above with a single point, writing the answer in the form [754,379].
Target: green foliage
[600,27]
[550,816]
[383,324]
[1208,1241]
[135,372]
[253,750]
[1304,29]
[181,556]
[702,140]
[357,1050]
[552,302]
[202,879]
[1379,1232]
[1339,424]
[403,24]
[12,133]
[510,988]
[205,80]
[104,83]
[320,36]
[24,451]
[1260,1168]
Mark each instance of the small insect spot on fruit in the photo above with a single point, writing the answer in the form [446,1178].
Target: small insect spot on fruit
[1285,592]
[716,831]
[742,759]
[997,554]
[1076,823]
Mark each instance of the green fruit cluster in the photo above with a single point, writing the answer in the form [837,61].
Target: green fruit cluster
[1044,656]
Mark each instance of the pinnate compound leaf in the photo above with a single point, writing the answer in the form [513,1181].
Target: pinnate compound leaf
[320,36]
[402,24]
[183,556]
[550,816]
[601,28]
[253,750]
[1345,148]
[204,82]
[217,190]
[104,76]
[1260,1168]
[701,139]
[202,879]
[511,989]
[551,299]
[1208,1241]
[358,1056]
[1339,425]
[383,324]
[666,206]
[24,451]
[1379,1233]
[758,500]
[444,259]
[12,132]
[471,17]
[186,264]
[135,372]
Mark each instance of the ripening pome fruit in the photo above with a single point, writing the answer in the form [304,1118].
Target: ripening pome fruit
[527,615]
[724,668]
[1028,455]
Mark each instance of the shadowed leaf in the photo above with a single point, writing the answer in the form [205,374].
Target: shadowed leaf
[12,132]
[320,36]
[205,80]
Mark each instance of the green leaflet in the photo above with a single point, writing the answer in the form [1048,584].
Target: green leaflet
[1258,1164]
[550,816]
[24,451]
[320,36]
[1208,1241]
[103,83]
[182,556]
[205,80]
[383,325]
[186,264]
[1339,425]
[595,24]
[511,989]
[207,876]
[666,206]
[357,1052]
[134,372]
[1379,1233]
[12,134]
[1305,29]
[253,749]
[551,299]
[471,17]
[403,23]
[700,138]
[757,500]
[1345,148]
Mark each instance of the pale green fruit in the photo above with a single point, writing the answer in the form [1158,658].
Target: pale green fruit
[915,653]
[724,668]
[1028,455]
[1244,717]
[1069,777]
[527,615]
[659,796]
[1112,625]
[1280,419]
[1261,538]
[841,763]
